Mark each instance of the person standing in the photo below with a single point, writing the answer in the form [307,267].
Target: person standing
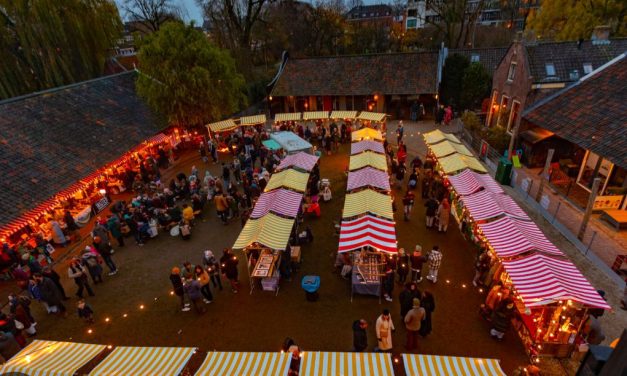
[229,263]
[114,225]
[49,292]
[435,260]
[78,273]
[388,282]
[407,296]
[192,288]
[222,207]
[427,301]
[417,260]
[106,252]
[203,278]
[57,233]
[360,336]
[399,132]
[384,328]
[502,318]
[71,226]
[413,321]
[213,268]
[402,267]
[90,260]
[432,207]
[179,290]
[408,204]
[444,213]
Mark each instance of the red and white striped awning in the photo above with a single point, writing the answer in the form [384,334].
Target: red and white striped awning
[468,182]
[368,231]
[280,201]
[300,160]
[512,237]
[483,205]
[542,280]
[361,146]
[368,177]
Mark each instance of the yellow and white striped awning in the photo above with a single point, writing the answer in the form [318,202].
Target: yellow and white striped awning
[252,120]
[245,363]
[345,364]
[445,148]
[366,134]
[368,201]
[343,114]
[437,135]
[457,162]
[371,116]
[51,358]
[289,116]
[146,361]
[368,158]
[222,126]
[434,365]
[315,115]
[270,230]
[289,178]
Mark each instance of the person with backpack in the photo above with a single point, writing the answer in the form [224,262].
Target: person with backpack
[91,261]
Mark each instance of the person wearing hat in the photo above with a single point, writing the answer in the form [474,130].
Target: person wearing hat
[417,260]
[384,328]
[413,320]
[402,267]
[179,290]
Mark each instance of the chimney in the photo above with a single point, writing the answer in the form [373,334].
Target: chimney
[601,35]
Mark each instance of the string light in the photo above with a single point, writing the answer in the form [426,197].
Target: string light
[107,319]
[89,331]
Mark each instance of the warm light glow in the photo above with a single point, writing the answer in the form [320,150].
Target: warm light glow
[464,286]
[28,358]
[89,331]
[480,290]
[125,315]
[109,347]
[107,319]
[171,292]
[376,97]
[102,192]
[270,97]
[448,281]
[141,306]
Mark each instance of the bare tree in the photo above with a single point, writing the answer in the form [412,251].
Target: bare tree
[151,13]
[454,18]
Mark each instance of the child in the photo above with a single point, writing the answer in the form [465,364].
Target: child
[85,311]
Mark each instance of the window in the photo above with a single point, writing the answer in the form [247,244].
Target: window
[513,116]
[574,74]
[502,109]
[474,58]
[412,23]
[512,71]
[493,109]
[550,69]
[587,68]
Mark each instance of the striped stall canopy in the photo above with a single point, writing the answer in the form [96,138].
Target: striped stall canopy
[299,160]
[315,115]
[368,177]
[437,135]
[289,178]
[145,361]
[483,205]
[157,139]
[279,201]
[252,120]
[366,134]
[270,230]
[368,158]
[346,364]
[222,126]
[371,116]
[245,363]
[361,146]
[51,358]
[343,114]
[512,237]
[446,147]
[468,182]
[368,231]
[458,162]
[367,201]
[289,116]
[435,365]
[542,280]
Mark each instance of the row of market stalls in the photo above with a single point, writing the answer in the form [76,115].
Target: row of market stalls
[69,359]
[367,229]
[274,220]
[551,295]
[364,116]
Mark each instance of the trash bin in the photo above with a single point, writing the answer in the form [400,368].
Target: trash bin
[311,284]
[504,171]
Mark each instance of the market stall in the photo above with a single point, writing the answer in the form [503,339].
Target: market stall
[289,178]
[222,126]
[368,177]
[315,115]
[361,146]
[51,358]
[368,231]
[485,205]
[468,182]
[125,360]
[368,158]
[367,201]
[280,201]
[271,145]
[317,363]
[458,162]
[291,143]
[366,134]
[446,147]
[301,161]
[437,136]
[252,120]
[245,363]
[435,365]
[288,116]
[343,115]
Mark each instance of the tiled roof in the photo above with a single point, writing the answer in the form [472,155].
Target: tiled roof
[592,113]
[568,57]
[400,73]
[52,139]
[362,12]
[488,57]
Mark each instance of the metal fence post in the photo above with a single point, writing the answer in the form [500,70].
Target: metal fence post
[556,210]
[594,234]
[529,188]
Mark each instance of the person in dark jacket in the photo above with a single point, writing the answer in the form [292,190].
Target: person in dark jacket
[179,290]
[192,288]
[406,298]
[106,252]
[502,318]
[228,263]
[427,301]
[8,345]
[50,293]
[360,336]
[432,208]
[48,272]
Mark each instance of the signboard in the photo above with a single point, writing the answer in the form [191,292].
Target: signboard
[607,202]
[101,204]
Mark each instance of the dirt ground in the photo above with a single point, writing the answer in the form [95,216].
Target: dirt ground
[260,321]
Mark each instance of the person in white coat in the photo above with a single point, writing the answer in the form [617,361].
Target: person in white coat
[384,328]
